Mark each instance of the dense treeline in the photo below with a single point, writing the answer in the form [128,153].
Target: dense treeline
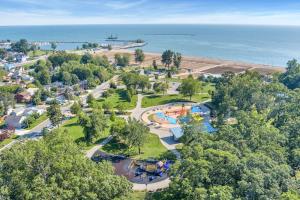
[54,168]
[255,156]
[72,68]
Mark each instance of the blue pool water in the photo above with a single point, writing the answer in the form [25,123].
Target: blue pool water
[195,109]
[171,120]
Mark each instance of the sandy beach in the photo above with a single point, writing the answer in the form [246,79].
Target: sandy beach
[200,65]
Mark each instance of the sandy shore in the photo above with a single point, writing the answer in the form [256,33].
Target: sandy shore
[200,65]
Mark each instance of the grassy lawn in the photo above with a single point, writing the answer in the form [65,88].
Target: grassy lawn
[119,97]
[41,119]
[136,195]
[7,141]
[76,133]
[151,149]
[36,53]
[155,100]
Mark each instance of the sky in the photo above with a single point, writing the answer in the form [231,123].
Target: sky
[59,12]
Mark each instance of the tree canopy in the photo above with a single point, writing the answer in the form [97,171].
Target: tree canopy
[54,168]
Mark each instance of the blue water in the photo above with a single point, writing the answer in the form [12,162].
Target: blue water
[258,44]
[196,109]
[171,120]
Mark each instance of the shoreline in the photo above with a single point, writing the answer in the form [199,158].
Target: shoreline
[199,65]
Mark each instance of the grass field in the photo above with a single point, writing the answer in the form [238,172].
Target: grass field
[119,97]
[151,149]
[36,53]
[155,100]
[77,134]
[42,118]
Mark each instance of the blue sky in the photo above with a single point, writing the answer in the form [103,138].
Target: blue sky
[47,12]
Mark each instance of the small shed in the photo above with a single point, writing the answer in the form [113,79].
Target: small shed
[177,133]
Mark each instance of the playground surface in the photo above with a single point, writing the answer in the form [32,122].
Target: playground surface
[136,171]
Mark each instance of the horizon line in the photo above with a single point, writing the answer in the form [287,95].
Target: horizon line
[120,24]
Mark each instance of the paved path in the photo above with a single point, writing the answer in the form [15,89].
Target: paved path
[92,151]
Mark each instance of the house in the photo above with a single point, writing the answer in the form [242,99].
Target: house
[16,119]
[9,67]
[21,58]
[27,78]
[23,97]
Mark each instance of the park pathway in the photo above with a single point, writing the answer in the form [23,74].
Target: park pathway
[92,151]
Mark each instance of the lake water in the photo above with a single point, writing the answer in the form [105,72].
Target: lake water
[258,44]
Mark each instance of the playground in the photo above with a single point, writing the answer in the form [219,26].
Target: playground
[136,171]
[172,117]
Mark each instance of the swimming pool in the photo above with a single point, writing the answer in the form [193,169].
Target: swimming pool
[171,120]
[196,109]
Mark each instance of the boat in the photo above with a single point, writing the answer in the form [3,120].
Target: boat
[111,37]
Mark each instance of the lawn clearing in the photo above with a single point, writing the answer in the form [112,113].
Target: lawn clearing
[151,149]
[77,134]
[155,100]
[119,98]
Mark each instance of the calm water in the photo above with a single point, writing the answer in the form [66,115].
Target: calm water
[257,44]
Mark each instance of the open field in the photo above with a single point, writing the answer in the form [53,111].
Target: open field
[199,65]
[151,149]
[119,98]
[155,100]
[77,134]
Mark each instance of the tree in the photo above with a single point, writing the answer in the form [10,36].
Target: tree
[177,60]
[54,113]
[7,100]
[54,168]
[122,60]
[166,58]
[160,87]
[76,108]
[21,46]
[139,55]
[154,65]
[86,58]
[44,77]
[93,125]
[53,46]
[143,82]
[90,99]
[291,78]
[189,87]
[36,100]
[136,133]
[3,54]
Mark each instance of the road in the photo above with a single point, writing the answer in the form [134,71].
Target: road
[35,132]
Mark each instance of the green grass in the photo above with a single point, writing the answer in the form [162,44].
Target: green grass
[37,53]
[7,141]
[151,149]
[136,195]
[77,134]
[39,120]
[155,100]
[119,97]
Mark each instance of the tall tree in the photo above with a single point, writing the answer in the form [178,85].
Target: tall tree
[136,133]
[160,87]
[167,58]
[21,46]
[54,113]
[177,60]
[189,87]
[139,55]
[53,46]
